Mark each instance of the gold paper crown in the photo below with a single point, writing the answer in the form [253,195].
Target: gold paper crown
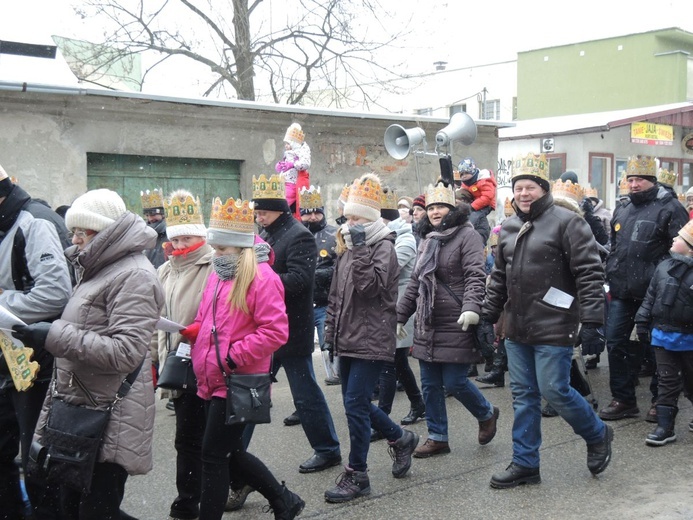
[440,194]
[623,188]
[310,198]
[234,215]
[367,191]
[508,209]
[181,209]
[345,193]
[641,166]
[295,134]
[567,190]
[682,198]
[666,177]
[389,199]
[531,164]
[272,188]
[591,192]
[152,199]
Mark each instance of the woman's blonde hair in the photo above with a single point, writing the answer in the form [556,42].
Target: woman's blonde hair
[245,274]
[341,243]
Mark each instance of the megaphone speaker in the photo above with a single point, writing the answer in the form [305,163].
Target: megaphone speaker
[398,140]
[460,128]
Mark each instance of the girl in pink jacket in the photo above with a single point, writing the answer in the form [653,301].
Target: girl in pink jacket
[244,301]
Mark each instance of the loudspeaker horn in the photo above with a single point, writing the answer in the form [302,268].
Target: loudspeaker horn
[398,140]
[460,128]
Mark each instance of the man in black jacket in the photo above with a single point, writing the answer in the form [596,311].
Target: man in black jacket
[295,256]
[642,230]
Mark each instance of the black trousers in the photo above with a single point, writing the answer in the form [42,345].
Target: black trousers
[675,371]
[103,501]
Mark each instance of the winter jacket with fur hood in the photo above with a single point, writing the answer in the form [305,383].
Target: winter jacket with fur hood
[104,333]
[549,248]
[461,268]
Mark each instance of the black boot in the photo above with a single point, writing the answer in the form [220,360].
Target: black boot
[416,412]
[287,506]
[473,371]
[496,378]
[664,432]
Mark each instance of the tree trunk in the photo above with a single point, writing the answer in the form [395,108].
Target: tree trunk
[242,53]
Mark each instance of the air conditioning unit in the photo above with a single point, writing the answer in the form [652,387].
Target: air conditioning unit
[547,145]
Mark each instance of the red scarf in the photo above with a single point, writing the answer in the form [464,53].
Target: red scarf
[183,252]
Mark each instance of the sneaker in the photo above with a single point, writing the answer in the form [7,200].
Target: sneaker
[401,451]
[431,448]
[237,498]
[514,475]
[292,420]
[350,485]
[618,410]
[599,454]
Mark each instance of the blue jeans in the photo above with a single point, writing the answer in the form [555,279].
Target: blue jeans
[311,405]
[359,377]
[453,377]
[320,313]
[625,356]
[544,370]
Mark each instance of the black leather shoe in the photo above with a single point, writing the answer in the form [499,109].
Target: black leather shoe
[514,475]
[319,463]
[292,420]
[599,454]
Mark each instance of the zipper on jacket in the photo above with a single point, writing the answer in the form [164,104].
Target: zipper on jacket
[83,388]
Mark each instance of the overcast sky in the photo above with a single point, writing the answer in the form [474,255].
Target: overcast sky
[463,33]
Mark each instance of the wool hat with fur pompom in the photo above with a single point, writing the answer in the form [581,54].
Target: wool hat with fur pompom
[365,198]
[95,210]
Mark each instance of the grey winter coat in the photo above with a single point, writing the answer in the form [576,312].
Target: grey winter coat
[104,334]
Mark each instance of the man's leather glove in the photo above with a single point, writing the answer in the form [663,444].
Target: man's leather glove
[467,319]
[592,338]
[358,235]
[33,335]
[644,335]
[401,331]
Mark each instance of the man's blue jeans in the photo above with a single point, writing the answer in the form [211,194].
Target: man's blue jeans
[359,377]
[625,356]
[544,370]
[453,377]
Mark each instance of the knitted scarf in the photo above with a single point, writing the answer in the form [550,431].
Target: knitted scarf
[375,232]
[226,266]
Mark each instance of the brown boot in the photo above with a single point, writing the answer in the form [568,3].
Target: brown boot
[431,448]
[487,428]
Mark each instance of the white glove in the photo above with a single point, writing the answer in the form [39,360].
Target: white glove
[401,332]
[467,319]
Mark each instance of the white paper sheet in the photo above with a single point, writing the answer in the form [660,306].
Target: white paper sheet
[169,326]
[8,320]
[558,298]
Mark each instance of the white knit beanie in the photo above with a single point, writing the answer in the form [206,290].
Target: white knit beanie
[95,210]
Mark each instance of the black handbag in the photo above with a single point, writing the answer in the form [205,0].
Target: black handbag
[247,395]
[72,439]
[178,374]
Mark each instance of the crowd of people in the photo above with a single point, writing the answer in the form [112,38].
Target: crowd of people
[398,278]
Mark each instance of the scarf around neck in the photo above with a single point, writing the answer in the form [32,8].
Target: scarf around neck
[375,232]
[226,266]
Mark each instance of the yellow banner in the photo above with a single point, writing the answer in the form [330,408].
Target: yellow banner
[651,133]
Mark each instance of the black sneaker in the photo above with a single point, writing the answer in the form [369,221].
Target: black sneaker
[401,451]
[599,454]
[350,485]
[514,475]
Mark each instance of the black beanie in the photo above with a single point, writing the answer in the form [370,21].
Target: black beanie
[569,176]
[272,205]
[389,214]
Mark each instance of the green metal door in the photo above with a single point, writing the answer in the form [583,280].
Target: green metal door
[128,175]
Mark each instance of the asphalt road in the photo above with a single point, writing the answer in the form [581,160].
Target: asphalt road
[641,482]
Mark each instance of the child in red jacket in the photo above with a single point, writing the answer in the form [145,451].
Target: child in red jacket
[480,183]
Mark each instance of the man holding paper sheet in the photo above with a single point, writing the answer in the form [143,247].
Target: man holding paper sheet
[548,278]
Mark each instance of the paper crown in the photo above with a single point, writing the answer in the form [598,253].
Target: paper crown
[591,192]
[234,215]
[682,198]
[567,190]
[182,210]
[294,134]
[344,195]
[508,209]
[666,177]
[531,164]
[456,175]
[641,166]
[272,188]
[152,199]
[389,199]
[686,232]
[623,188]
[440,194]
[310,198]
[365,196]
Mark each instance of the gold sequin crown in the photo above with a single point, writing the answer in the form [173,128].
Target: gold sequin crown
[508,209]
[181,209]
[310,198]
[440,194]
[567,190]
[389,199]
[295,134]
[367,191]
[591,192]
[666,177]
[641,166]
[152,199]
[531,164]
[345,193]
[233,215]
[272,188]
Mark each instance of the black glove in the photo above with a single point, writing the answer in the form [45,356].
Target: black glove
[644,336]
[587,205]
[358,235]
[592,338]
[485,337]
[33,335]
[328,347]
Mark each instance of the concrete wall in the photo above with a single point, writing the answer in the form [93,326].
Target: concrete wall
[45,138]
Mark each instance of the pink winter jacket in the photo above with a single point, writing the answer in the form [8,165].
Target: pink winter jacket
[250,339]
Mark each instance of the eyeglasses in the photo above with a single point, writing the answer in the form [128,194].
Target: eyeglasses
[79,234]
